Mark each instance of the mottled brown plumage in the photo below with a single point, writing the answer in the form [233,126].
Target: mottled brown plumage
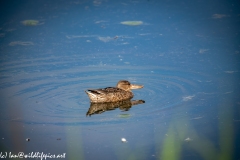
[113,94]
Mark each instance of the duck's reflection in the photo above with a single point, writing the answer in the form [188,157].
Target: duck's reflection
[98,108]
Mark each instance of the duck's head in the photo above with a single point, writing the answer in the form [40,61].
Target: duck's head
[127,86]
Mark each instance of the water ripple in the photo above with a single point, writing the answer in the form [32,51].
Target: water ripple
[51,90]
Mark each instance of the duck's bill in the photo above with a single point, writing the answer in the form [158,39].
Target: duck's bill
[135,86]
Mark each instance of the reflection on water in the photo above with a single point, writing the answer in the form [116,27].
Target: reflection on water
[98,108]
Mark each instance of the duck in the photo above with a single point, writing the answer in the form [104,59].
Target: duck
[113,94]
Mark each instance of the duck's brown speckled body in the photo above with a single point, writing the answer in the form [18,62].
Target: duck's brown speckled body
[113,94]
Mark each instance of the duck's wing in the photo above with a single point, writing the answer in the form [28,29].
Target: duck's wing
[105,90]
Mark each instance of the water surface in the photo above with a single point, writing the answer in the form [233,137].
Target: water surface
[187,59]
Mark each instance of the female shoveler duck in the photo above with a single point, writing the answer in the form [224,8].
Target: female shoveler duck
[113,94]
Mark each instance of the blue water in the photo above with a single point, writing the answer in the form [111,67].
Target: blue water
[185,53]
